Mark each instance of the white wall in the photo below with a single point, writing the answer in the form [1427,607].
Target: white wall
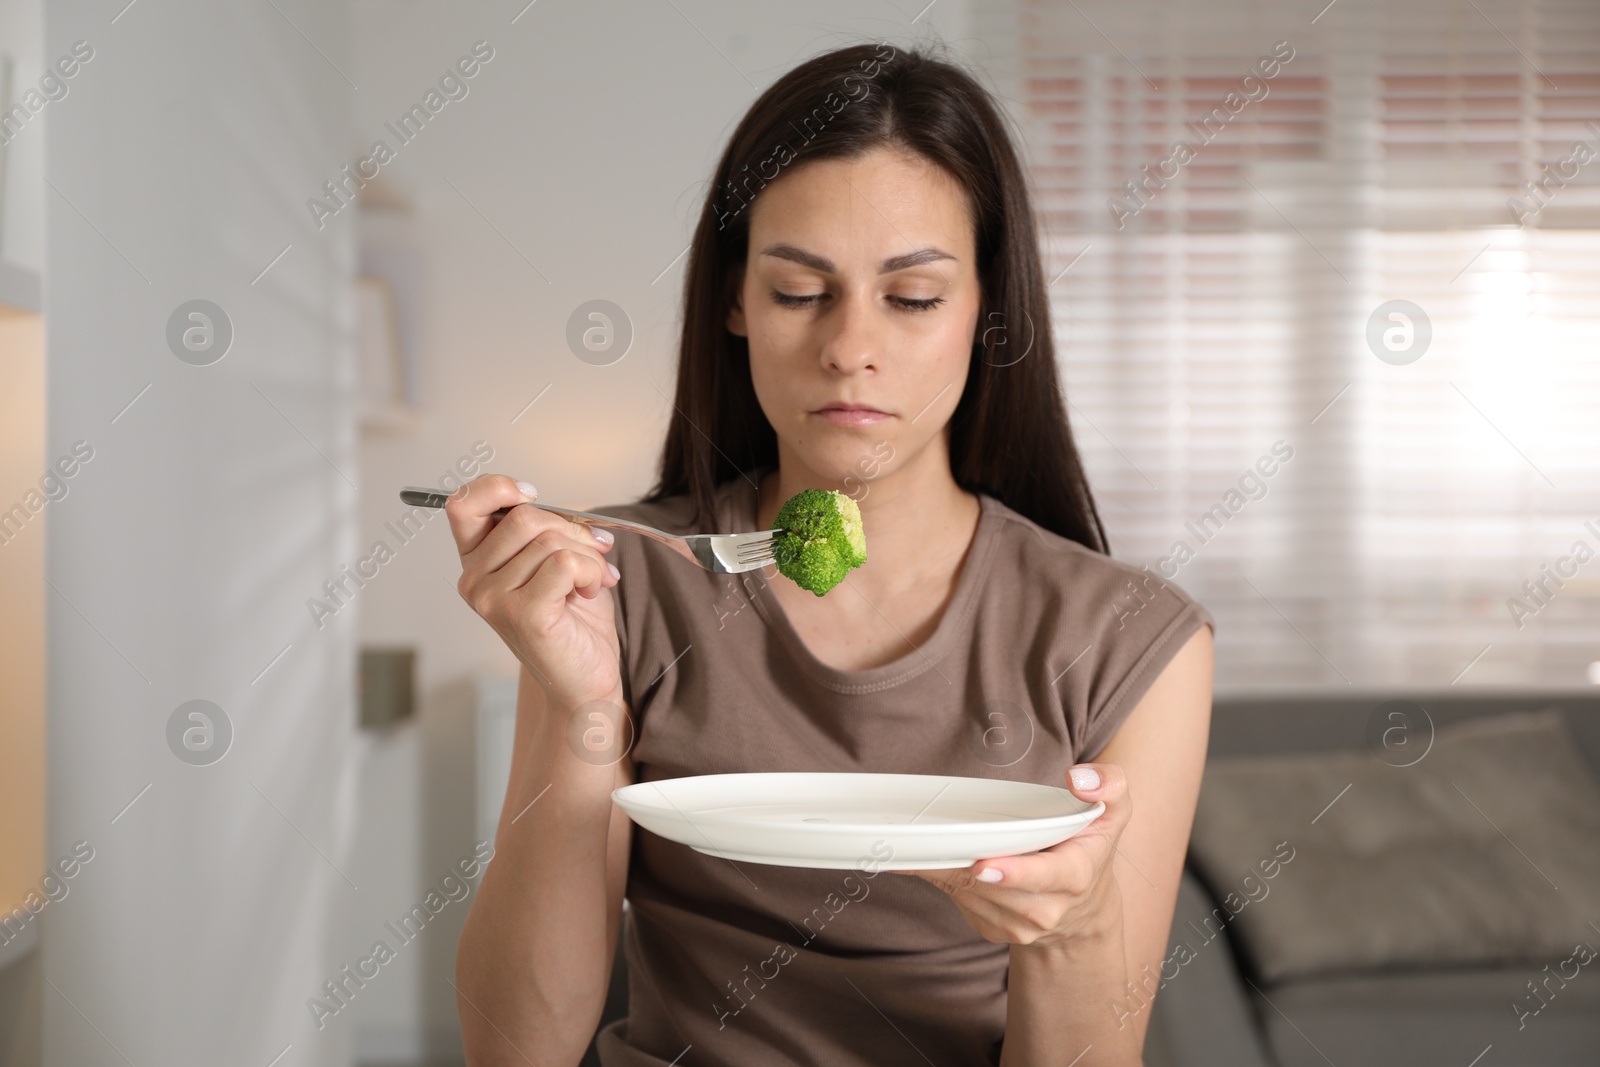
[22,215]
[180,560]
[585,142]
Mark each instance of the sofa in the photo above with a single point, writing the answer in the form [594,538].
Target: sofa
[1219,1010]
[1221,1007]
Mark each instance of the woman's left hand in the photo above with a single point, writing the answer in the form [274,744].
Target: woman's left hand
[1057,894]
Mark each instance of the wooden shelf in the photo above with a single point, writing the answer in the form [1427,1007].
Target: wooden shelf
[19,289]
[386,418]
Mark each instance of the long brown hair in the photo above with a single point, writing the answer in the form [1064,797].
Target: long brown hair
[1009,435]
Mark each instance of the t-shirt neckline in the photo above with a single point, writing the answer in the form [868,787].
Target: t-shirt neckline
[952,624]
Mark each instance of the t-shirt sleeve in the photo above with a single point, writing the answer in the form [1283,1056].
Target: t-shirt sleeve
[1142,621]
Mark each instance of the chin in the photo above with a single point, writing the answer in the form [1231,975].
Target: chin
[845,456]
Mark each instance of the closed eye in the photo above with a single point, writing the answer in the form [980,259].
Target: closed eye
[796,301]
[810,300]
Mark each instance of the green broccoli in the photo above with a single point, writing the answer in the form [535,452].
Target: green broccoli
[822,538]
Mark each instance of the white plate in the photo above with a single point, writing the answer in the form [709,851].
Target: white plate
[846,820]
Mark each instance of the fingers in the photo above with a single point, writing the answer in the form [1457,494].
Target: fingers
[565,572]
[550,549]
[1048,871]
[501,556]
[1067,867]
[1106,782]
[1057,892]
[1004,916]
[471,508]
[525,524]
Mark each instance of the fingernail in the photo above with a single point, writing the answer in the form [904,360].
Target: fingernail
[991,874]
[1085,778]
[612,567]
[527,490]
[603,536]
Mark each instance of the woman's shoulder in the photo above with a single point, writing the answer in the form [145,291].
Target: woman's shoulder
[1109,592]
[1109,627]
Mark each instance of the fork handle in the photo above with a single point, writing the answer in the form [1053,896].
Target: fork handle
[433,498]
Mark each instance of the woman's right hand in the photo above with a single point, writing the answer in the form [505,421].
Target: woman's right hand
[542,581]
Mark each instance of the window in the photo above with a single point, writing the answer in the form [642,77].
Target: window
[1257,420]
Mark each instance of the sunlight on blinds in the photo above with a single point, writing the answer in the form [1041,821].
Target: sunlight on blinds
[1327,296]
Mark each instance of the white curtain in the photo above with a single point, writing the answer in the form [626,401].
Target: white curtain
[1237,300]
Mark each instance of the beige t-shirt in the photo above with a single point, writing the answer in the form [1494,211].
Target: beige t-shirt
[1043,650]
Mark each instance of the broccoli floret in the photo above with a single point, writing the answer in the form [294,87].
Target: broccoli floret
[822,538]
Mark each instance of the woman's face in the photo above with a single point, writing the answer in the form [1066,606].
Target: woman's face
[860,289]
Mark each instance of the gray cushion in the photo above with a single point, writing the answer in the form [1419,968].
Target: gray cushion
[1442,1019]
[1201,1015]
[1486,851]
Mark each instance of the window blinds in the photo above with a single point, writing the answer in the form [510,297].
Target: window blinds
[1232,198]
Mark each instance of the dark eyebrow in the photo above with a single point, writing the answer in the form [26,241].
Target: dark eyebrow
[893,263]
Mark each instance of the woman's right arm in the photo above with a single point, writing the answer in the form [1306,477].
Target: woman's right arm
[534,959]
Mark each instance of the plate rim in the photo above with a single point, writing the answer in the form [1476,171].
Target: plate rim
[1090,813]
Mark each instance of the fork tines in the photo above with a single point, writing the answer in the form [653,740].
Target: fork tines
[758,548]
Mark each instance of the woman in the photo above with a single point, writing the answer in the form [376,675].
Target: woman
[864,311]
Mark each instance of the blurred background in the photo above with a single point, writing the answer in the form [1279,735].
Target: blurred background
[1324,285]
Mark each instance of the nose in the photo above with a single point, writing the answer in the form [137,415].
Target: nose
[856,343]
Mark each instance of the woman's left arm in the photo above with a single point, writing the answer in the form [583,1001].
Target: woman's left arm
[1087,920]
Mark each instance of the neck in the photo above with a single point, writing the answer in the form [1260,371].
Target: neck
[913,512]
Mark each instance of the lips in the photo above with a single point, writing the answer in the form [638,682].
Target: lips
[868,408]
[851,414]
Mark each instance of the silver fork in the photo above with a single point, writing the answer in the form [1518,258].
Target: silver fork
[732,553]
